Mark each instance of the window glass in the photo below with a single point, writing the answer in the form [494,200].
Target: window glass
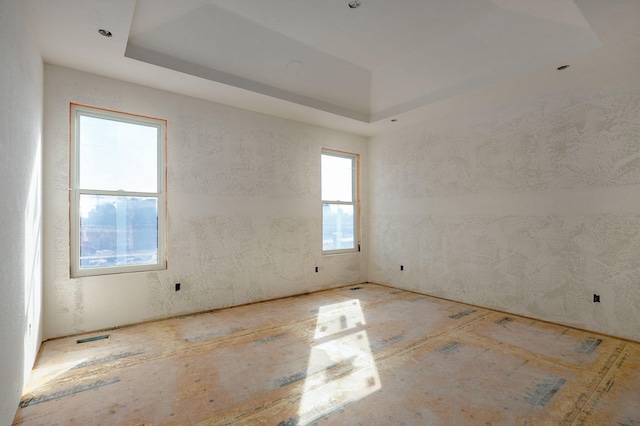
[116,155]
[338,224]
[337,178]
[118,231]
[339,206]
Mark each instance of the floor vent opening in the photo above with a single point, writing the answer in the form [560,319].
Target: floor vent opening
[93,339]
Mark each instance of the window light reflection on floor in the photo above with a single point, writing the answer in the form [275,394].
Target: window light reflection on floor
[341,366]
[47,373]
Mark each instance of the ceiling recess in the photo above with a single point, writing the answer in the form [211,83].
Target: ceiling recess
[315,62]
[379,65]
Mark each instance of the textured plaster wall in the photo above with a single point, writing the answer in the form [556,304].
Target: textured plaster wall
[530,208]
[21,78]
[244,211]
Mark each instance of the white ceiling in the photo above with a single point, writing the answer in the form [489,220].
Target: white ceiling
[324,63]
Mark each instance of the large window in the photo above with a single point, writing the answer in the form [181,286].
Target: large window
[117,192]
[339,202]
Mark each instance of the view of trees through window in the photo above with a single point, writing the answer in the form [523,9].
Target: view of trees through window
[118,231]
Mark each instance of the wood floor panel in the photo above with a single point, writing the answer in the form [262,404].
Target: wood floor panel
[617,400]
[248,318]
[396,323]
[374,293]
[562,344]
[450,379]
[365,354]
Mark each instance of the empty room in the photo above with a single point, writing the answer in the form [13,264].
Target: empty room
[338,212]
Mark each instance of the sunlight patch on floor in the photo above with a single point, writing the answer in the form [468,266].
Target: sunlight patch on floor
[343,346]
[43,375]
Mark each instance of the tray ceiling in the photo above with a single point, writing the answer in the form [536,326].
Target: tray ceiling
[352,69]
[370,63]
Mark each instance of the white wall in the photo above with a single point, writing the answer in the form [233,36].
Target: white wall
[20,210]
[243,204]
[529,207]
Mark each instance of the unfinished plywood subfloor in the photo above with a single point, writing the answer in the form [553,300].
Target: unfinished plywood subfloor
[365,354]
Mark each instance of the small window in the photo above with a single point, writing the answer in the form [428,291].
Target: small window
[117,192]
[339,202]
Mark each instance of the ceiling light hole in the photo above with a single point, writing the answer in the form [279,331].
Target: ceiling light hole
[294,68]
[563,67]
[354,4]
[105,33]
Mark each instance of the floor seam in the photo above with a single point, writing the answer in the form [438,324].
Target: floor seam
[605,373]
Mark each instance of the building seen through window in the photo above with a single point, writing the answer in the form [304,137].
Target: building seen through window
[339,201]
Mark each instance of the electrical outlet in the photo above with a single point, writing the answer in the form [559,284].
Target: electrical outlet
[317,269]
[177,286]
[402,267]
[596,298]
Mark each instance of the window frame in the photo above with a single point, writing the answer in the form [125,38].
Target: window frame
[77,111]
[355,188]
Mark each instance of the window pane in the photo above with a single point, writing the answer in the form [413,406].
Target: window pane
[338,223]
[118,231]
[116,155]
[337,178]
